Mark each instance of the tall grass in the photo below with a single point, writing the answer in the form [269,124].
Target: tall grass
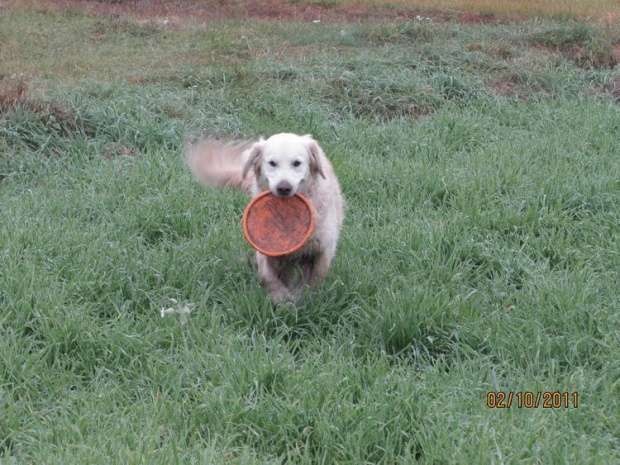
[479,254]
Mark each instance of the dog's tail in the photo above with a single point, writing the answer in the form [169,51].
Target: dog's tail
[217,164]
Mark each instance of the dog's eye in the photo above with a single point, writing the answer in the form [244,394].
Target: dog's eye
[272,163]
[296,163]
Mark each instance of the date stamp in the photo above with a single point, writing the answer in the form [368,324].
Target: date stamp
[557,399]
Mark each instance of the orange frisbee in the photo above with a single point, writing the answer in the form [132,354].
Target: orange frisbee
[275,226]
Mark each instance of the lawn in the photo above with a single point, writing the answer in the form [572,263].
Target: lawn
[480,255]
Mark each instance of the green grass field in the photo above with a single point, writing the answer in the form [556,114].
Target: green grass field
[481,248]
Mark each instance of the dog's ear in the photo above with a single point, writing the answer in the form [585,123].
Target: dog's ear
[315,153]
[252,158]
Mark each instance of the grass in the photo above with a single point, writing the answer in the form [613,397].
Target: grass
[480,251]
[469,5]
[604,9]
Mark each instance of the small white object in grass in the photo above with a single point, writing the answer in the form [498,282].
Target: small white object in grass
[182,310]
[316,21]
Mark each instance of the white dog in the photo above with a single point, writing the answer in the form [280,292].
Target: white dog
[284,164]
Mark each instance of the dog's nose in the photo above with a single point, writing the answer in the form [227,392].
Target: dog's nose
[284,189]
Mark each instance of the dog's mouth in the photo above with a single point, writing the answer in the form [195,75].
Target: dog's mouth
[283,196]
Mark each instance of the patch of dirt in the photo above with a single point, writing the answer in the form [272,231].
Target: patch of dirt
[13,91]
[507,86]
[118,150]
[616,53]
[477,18]
[14,96]
[613,87]
[509,90]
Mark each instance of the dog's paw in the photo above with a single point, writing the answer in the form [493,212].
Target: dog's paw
[284,297]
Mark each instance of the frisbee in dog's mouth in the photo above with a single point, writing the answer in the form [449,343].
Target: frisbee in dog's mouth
[277,226]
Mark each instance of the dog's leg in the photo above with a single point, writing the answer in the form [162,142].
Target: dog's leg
[314,270]
[285,279]
[275,276]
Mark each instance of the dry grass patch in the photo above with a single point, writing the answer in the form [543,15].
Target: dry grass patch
[589,46]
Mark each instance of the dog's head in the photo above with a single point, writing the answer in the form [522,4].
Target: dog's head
[284,162]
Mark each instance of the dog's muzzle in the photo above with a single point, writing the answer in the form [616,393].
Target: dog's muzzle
[284,189]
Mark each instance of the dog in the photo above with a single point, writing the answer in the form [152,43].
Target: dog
[284,164]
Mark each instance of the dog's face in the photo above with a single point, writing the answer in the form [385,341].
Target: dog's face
[284,162]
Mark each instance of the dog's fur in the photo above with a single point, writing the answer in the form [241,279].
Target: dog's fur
[284,164]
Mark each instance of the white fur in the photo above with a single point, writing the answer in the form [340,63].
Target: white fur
[285,164]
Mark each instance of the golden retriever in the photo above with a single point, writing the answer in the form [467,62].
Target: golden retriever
[285,164]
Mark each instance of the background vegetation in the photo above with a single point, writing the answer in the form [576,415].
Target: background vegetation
[480,253]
